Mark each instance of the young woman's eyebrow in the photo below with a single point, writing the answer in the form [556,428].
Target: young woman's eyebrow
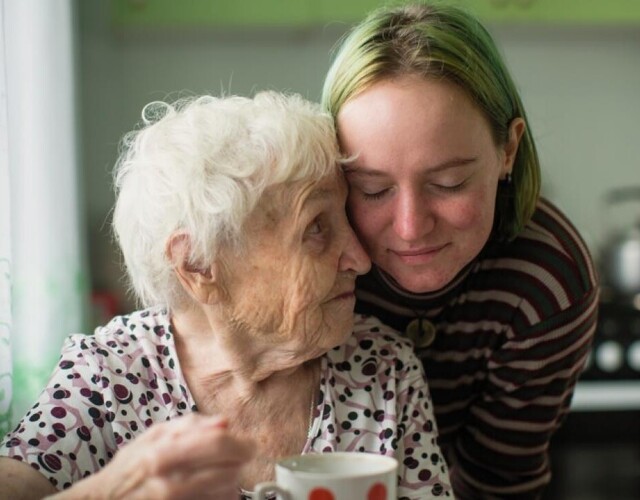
[372,172]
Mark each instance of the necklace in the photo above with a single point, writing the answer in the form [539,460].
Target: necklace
[311,419]
[313,404]
[421,332]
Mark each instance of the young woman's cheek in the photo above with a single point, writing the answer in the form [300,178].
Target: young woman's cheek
[473,208]
[464,214]
[366,222]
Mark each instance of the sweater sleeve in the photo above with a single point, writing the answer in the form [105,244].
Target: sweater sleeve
[65,436]
[502,450]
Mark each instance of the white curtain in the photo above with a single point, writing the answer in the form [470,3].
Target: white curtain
[5,250]
[47,267]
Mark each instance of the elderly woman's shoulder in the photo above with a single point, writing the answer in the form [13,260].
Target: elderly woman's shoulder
[369,329]
[374,348]
[125,332]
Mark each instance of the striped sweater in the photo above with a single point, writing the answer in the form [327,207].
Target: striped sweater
[512,333]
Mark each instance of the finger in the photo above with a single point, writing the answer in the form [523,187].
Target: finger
[208,449]
[187,444]
[188,422]
[184,429]
[216,483]
[195,443]
[190,441]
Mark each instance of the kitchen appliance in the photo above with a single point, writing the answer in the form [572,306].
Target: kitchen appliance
[620,257]
[615,354]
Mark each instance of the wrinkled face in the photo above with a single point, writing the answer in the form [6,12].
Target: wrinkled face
[293,286]
[423,186]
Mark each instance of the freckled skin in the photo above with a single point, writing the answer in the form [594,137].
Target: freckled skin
[428,152]
[300,255]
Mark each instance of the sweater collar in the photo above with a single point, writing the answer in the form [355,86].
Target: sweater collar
[427,299]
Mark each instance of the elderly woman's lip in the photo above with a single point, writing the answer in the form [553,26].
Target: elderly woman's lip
[345,295]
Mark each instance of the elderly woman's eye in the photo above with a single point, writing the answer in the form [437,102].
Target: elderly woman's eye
[314,228]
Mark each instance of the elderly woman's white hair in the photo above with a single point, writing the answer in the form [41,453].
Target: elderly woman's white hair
[198,167]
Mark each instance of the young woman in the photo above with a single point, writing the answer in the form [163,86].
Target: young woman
[492,282]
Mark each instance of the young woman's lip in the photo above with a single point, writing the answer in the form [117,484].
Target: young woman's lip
[419,251]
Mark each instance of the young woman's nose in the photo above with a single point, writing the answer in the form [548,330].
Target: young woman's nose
[412,217]
[354,258]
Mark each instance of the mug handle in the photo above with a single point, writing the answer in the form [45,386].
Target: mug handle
[263,488]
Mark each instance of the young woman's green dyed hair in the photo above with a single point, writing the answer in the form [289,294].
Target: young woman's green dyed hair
[442,41]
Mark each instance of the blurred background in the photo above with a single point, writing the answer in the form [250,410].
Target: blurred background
[76,75]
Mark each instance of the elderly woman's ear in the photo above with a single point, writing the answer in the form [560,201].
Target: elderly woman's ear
[200,283]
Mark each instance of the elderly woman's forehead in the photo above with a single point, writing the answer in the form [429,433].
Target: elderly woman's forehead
[330,185]
[282,198]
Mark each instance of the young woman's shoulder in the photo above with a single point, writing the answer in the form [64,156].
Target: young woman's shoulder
[548,257]
[550,226]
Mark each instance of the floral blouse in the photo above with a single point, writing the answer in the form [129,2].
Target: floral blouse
[110,386]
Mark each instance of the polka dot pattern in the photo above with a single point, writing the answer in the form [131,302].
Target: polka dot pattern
[110,387]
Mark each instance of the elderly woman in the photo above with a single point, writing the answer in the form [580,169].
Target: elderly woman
[230,216]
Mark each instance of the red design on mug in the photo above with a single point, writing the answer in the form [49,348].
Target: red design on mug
[321,494]
[377,492]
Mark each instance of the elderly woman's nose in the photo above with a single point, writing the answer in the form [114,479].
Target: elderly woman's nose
[354,257]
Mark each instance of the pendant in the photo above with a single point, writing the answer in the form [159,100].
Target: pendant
[421,332]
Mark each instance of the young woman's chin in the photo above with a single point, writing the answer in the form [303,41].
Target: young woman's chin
[418,280]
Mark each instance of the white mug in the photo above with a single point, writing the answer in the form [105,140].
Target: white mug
[333,476]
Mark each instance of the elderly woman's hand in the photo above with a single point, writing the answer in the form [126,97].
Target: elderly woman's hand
[189,457]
